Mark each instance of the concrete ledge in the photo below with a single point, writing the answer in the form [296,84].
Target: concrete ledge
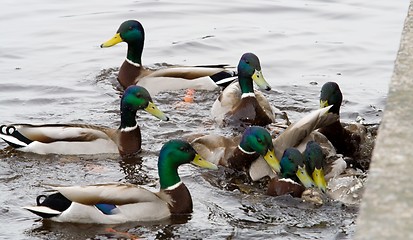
[386,211]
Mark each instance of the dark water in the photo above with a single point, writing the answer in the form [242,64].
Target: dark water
[53,71]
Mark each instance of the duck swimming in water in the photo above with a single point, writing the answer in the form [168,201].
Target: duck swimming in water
[119,203]
[237,152]
[348,139]
[239,104]
[208,77]
[86,138]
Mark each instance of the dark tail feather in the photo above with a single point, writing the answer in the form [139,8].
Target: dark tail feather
[54,201]
[12,132]
[214,66]
[51,206]
[224,78]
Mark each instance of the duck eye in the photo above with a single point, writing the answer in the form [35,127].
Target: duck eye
[130,28]
[247,62]
[259,140]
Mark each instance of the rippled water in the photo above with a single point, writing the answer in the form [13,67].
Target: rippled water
[53,71]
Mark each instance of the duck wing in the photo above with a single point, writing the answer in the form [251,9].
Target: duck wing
[103,204]
[47,133]
[60,138]
[227,100]
[215,148]
[175,78]
[296,132]
[117,194]
[292,137]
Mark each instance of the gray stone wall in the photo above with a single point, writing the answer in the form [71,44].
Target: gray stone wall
[386,211]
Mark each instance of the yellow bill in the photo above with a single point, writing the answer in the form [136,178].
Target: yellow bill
[113,41]
[153,109]
[272,160]
[260,81]
[200,162]
[320,181]
[323,103]
[304,177]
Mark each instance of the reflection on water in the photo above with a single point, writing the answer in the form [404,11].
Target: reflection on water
[161,230]
[53,71]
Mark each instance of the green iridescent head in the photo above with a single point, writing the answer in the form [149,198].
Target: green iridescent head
[293,167]
[173,154]
[249,69]
[133,34]
[137,98]
[331,95]
[314,162]
[258,139]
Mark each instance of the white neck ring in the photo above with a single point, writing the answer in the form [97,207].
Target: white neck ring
[242,150]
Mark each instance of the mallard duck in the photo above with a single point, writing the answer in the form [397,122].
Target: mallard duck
[170,78]
[120,203]
[296,135]
[238,103]
[344,184]
[86,139]
[332,164]
[315,162]
[345,141]
[238,152]
[293,174]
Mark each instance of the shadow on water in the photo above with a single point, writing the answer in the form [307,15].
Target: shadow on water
[133,230]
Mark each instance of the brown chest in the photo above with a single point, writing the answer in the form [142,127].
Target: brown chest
[129,142]
[248,111]
[181,200]
[240,160]
[128,74]
[278,187]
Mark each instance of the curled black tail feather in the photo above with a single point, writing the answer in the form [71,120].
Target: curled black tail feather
[223,78]
[12,131]
[54,201]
